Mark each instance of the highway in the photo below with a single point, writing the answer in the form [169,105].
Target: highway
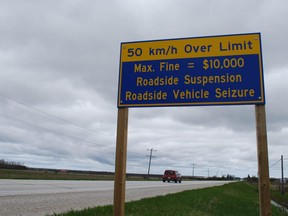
[42,197]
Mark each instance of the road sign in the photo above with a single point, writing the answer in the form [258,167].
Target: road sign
[216,70]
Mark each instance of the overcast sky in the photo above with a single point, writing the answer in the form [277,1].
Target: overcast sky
[59,67]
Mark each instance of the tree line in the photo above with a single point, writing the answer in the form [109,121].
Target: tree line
[11,165]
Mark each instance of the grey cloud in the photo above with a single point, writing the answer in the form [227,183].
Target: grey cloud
[62,57]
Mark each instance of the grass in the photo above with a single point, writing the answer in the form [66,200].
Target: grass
[234,199]
[50,175]
[277,196]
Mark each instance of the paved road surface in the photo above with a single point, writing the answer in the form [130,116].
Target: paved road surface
[42,197]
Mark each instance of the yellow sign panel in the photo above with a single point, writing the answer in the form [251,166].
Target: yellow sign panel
[191,47]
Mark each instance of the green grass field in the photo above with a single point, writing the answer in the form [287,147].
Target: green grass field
[234,199]
[50,175]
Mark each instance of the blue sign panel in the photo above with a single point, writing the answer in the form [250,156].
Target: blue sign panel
[189,72]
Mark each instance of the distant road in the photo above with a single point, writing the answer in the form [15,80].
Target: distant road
[42,197]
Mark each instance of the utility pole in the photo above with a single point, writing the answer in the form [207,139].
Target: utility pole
[150,157]
[193,166]
[282,175]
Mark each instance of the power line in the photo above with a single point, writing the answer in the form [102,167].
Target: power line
[50,115]
[274,163]
[49,130]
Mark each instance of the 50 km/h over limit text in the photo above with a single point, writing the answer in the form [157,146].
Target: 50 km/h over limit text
[189,48]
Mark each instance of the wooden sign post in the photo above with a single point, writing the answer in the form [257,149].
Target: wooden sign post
[263,167]
[121,157]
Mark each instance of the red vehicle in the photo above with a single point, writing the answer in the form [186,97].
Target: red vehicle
[172,175]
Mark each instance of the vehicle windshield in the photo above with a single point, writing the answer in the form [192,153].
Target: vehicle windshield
[169,173]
